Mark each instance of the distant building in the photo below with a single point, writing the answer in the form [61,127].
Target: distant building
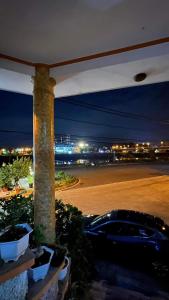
[64,148]
[63,139]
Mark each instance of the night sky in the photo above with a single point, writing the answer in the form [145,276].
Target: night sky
[151,101]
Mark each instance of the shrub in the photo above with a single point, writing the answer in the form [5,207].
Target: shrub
[11,173]
[60,175]
[30,179]
[70,233]
[64,180]
[6,176]
[16,210]
[21,168]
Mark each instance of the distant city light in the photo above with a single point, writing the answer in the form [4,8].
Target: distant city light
[121,150]
[81,144]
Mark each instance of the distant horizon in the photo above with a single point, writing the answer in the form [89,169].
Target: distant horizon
[96,144]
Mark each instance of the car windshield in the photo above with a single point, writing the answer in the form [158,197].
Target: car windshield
[100,220]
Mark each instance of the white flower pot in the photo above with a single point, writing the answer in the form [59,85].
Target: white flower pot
[63,272]
[13,250]
[41,271]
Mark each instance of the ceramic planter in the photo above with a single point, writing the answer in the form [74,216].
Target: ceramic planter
[63,272]
[11,251]
[41,271]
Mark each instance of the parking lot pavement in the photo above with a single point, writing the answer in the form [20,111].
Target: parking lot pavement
[149,195]
[115,280]
[101,290]
[92,176]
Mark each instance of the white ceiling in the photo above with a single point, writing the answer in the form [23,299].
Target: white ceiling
[52,31]
[116,76]
[105,78]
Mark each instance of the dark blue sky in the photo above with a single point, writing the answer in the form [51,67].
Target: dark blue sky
[150,100]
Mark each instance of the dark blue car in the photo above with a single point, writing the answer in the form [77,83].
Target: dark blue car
[129,234]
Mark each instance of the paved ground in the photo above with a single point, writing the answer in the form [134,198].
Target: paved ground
[149,195]
[92,176]
[143,188]
[101,290]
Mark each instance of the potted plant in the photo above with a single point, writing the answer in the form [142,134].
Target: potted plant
[14,241]
[60,258]
[43,256]
[63,272]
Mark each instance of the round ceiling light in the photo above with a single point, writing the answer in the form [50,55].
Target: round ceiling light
[140,77]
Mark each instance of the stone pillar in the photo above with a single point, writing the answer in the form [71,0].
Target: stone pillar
[43,143]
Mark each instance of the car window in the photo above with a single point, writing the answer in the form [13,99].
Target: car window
[132,230]
[137,230]
[114,228]
[145,232]
[125,229]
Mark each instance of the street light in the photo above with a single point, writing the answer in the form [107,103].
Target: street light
[81,144]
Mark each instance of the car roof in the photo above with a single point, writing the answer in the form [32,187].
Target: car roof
[130,216]
[138,217]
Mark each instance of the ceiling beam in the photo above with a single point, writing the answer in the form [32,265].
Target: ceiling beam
[88,57]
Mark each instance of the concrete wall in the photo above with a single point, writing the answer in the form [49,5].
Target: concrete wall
[15,288]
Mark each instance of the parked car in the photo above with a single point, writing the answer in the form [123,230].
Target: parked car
[129,234]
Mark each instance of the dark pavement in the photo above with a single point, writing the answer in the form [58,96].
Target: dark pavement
[92,176]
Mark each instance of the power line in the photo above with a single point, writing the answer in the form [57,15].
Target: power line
[110,111]
[14,131]
[73,136]
[94,138]
[99,124]
[115,112]
[63,134]
[75,140]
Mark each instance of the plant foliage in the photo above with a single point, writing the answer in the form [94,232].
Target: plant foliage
[21,168]
[6,176]
[63,180]
[69,234]
[11,173]
[17,210]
